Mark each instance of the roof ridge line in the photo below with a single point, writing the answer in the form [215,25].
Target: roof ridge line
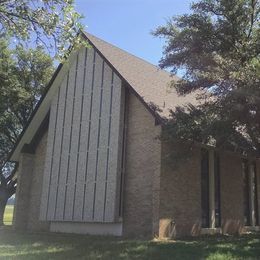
[129,53]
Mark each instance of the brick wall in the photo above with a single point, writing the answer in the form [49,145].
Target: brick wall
[28,194]
[180,193]
[160,198]
[34,223]
[180,197]
[22,196]
[231,192]
[142,176]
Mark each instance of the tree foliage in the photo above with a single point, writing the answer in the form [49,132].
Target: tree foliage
[53,24]
[23,74]
[217,46]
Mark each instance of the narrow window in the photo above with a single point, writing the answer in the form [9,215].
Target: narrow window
[123,158]
[122,167]
[210,189]
[217,190]
[205,188]
[245,172]
[255,197]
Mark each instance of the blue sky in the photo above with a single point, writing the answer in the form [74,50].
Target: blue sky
[128,23]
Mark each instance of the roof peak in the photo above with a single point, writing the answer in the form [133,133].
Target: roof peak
[89,35]
[151,83]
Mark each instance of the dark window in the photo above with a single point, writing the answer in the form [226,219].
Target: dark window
[255,197]
[205,187]
[245,172]
[123,158]
[217,190]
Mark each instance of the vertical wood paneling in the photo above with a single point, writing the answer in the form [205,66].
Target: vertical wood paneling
[103,145]
[74,136]
[74,170]
[98,140]
[49,157]
[65,152]
[83,145]
[113,152]
[92,153]
[85,172]
[57,151]
[88,137]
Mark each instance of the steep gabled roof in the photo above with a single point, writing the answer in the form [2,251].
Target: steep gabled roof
[148,82]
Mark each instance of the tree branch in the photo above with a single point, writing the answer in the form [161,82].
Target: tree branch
[3,179]
[10,177]
[253,4]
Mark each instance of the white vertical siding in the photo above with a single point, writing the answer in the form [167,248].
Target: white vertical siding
[73,159]
[92,152]
[51,204]
[82,169]
[103,145]
[84,140]
[66,145]
[48,159]
[114,157]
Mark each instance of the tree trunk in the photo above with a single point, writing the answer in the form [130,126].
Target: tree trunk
[7,189]
[3,201]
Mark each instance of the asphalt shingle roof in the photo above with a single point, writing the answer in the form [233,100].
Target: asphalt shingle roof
[151,83]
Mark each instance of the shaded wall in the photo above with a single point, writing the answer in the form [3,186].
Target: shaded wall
[231,192]
[23,191]
[180,197]
[180,194]
[34,222]
[29,189]
[142,176]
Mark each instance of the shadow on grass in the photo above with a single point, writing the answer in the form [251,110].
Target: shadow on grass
[14,245]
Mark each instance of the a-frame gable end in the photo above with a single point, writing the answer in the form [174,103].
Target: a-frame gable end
[82,165]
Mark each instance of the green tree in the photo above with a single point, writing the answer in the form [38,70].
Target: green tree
[23,76]
[217,46]
[51,23]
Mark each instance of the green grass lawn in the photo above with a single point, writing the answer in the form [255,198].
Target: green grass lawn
[15,245]
[8,216]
